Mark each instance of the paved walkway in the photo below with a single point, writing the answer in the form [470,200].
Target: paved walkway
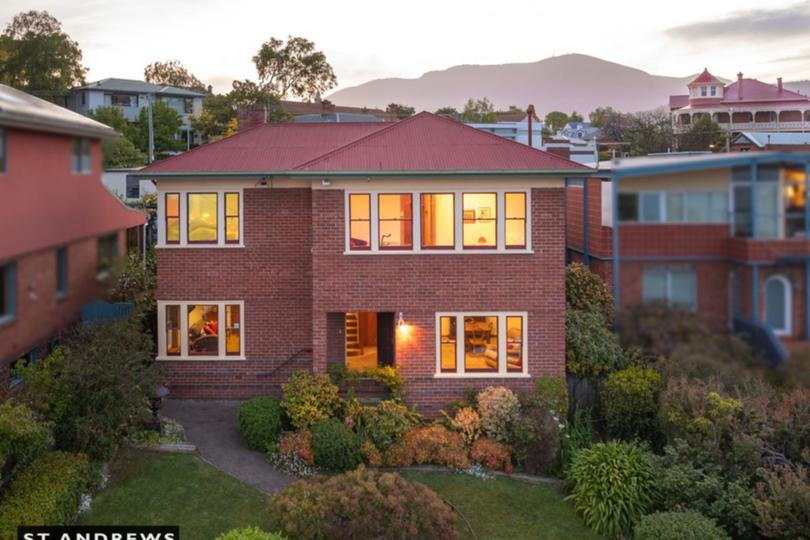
[211,426]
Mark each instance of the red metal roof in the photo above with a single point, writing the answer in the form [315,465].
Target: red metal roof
[754,90]
[424,142]
[705,77]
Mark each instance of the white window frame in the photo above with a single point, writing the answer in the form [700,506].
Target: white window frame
[183,216]
[184,355]
[417,225]
[788,330]
[502,372]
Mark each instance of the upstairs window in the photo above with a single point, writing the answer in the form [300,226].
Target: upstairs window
[515,220]
[703,91]
[714,90]
[206,219]
[438,220]
[172,218]
[121,100]
[202,218]
[80,163]
[360,222]
[396,221]
[480,220]
[8,290]
[232,218]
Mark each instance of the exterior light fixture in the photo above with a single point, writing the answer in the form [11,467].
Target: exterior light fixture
[262,182]
[400,320]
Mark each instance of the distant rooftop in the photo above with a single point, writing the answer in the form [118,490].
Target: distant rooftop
[18,109]
[763,138]
[338,117]
[689,161]
[139,87]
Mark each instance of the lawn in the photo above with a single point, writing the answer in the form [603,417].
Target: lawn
[507,509]
[152,488]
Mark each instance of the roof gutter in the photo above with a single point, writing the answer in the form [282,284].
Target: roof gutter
[300,174]
[55,126]
[741,158]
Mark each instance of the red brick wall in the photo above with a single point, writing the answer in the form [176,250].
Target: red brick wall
[272,274]
[40,315]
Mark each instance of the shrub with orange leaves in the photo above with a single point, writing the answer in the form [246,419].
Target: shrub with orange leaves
[467,422]
[298,443]
[429,444]
[492,455]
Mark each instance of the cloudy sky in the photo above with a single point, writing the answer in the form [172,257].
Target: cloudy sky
[368,39]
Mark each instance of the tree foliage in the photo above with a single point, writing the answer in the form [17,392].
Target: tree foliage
[166,123]
[448,111]
[402,111]
[172,73]
[38,57]
[479,111]
[556,120]
[121,153]
[703,135]
[293,68]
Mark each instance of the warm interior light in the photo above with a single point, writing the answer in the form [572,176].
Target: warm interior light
[400,320]
[402,328]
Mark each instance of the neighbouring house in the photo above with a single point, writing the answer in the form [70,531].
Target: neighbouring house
[130,96]
[580,130]
[746,104]
[323,110]
[582,151]
[64,229]
[422,244]
[724,235]
[126,187]
[757,141]
[514,131]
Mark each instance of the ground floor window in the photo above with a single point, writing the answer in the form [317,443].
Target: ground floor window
[481,344]
[676,285]
[778,304]
[200,330]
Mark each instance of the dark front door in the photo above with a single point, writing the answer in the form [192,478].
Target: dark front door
[385,339]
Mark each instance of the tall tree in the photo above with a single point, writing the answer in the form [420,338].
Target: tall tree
[120,152]
[166,123]
[293,68]
[556,120]
[611,123]
[448,111]
[479,111]
[648,132]
[703,135]
[575,117]
[172,73]
[402,111]
[38,57]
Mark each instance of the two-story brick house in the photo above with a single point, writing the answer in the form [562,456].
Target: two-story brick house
[62,227]
[423,244]
[726,235]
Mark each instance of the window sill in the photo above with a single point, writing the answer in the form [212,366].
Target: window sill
[445,252]
[200,246]
[200,358]
[481,376]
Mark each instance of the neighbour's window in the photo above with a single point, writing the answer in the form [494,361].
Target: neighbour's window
[515,220]
[172,330]
[359,221]
[480,344]
[676,286]
[703,90]
[675,207]
[61,271]
[480,220]
[233,342]
[119,100]
[628,206]
[2,151]
[650,207]
[201,221]
[80,163]
[678,207]
[714,90]
[8,290]
[172,218]
[188,106]
[107,252]
[438,220]
[232,218]
[395,221]
[203,330]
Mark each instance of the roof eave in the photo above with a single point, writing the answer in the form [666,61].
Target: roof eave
[310,173]
[55,126]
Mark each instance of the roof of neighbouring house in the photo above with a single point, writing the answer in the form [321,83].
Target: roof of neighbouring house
[422,143]
[705,77]
[22,110]
[139,87]
[338,117]
[762,139]
[754,90]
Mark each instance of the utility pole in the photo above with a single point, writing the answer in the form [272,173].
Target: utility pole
[151,128]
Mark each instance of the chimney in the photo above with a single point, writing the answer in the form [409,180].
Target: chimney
[739,85]
[779,84]
[562,150]
[248,117]
[530,117]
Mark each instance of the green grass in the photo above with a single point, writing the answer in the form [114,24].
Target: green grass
[508,509]
[151,488]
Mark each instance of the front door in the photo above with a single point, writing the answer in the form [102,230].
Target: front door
[369,340]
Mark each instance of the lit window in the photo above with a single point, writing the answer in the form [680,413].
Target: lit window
[203,330]
[514,344]
[107,252]
[515,220]
[172,218]
[80,163]
[61,271]
[173,330]
[233,342]
[8,291]
[232,218]
[480,220]
[360,221]
[438,220]
[480,343]
[674,285]
[396,221]
[202,218]
[447,343]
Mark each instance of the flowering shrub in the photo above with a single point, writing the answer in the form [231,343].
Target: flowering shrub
[499,408]
[468,423]
[384,424]
[492,455]
[782,503]
[309,398]
[291,464]
[249,533]
[298,443]
[428,444]
[361,505]
[371,456]
[586,291]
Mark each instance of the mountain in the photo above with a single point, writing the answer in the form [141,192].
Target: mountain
[565,83]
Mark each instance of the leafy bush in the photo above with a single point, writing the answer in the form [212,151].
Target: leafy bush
[552,392]
[384,424]
[591,348]
[630,403]
[334,446]
[428,444]
[388,376]
[492,455]
[22,437]
[585,291]
[260,421]
[659,328]
[789,424]
[613,486]
[371,455]
[309,398]
[576,435]
[468,423]
[782,503]
[298,443]
[678,526]
[47,492]
[96,387]
[499,408]
[536,436]
[361,505]
[249,533]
